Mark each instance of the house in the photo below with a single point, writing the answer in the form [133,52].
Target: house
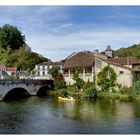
[81,62]
[124,74]
[42,69]
[89,64]
[8,72]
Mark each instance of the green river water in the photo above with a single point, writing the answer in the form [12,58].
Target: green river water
[47,115]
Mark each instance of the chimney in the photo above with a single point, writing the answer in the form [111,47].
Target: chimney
[127,60]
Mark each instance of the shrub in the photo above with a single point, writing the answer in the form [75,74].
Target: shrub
[63,93]
[106,78]
[136,87]
[87,85]
[59,81]
[90,92]
[78,81]
[126,90]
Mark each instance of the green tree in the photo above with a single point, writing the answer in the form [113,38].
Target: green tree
[54,71]
[106,78]
[11,37]
[78,81]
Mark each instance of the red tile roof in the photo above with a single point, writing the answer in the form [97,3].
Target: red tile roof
[8,68]
[125,61]
[11,68]
[80,59]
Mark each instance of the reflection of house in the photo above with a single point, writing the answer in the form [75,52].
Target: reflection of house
[42,69]
[87,64]
[7,72]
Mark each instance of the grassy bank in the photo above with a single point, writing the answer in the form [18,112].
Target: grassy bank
[100,95]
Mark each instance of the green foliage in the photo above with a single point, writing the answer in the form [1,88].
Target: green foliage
[79,82]
[90,92]
[125,90]
[14,51]
[136,87]
[106,81]
[63,93]
[59,81]
[11,37]
[54,71]
[130,51]
[87,85]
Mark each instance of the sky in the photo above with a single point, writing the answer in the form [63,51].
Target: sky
[57,31]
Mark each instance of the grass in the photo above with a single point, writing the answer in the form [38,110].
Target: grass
[77,94]
[118,96]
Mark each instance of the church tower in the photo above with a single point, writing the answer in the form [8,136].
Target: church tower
[109,52]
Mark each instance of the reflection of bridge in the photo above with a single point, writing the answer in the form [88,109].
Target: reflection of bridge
[30,87]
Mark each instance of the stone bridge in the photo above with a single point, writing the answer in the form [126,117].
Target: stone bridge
[20,87]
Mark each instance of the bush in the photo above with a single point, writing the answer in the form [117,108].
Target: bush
[126,90]
[106,78]
[136,87]
[63,93]
[60,84]
[87,85]
[90,92]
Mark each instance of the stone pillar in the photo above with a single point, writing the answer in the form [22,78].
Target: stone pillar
[84,73]
[69,74]
[93,71]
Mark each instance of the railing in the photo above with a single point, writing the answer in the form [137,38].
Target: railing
[80,75]
[26,81]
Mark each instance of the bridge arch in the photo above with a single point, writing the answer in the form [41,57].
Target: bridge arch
[16,93]
[43,90]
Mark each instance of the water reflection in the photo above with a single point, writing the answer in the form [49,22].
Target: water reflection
[46,115]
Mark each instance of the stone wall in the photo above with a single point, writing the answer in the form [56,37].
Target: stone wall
[124,75]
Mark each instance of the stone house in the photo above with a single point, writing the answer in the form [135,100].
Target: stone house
[88,64]
[81,62]
[42,69]
[124,74]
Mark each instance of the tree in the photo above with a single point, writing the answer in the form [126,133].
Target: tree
[106,78]
[79,82]
[54,71]
[11,37]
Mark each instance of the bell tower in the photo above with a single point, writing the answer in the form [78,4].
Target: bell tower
[109,52]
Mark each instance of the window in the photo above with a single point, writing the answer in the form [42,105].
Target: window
[38,73]
[107,73]
[38,67]
[121,72]
[43,68]
[43,73]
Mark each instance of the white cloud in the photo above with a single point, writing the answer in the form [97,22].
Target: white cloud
[58,47]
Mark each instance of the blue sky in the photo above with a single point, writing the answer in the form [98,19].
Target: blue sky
[57,31]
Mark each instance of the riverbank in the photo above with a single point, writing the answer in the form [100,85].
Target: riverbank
[100,95]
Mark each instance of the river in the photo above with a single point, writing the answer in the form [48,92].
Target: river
[46,115]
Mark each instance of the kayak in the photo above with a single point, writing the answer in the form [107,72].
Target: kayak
[66,99]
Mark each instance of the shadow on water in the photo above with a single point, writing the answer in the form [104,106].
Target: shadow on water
[43,91]
[16,93]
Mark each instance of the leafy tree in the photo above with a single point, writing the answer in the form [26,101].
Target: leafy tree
[54,71]
[133,50]
[106,78]
[79,82]
[11,37]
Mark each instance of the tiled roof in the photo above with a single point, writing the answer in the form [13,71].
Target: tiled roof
[8,68]
[125,61]
[11,68]
[51,63]
[80,59]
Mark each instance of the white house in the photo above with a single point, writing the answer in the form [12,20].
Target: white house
[42,69]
